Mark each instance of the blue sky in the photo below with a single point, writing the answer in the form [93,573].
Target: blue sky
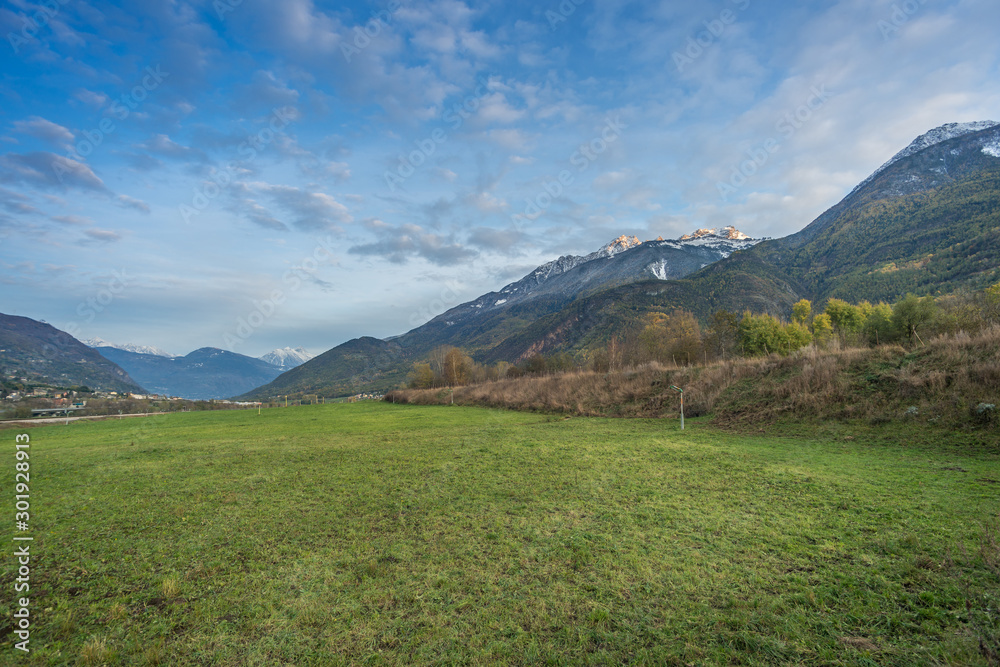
[250,175]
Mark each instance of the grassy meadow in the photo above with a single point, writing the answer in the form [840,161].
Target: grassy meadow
[399,534]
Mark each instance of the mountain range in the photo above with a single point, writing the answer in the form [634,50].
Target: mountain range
[42,354]
[926,222]
[203,374]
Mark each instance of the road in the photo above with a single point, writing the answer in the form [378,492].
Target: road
[58,420]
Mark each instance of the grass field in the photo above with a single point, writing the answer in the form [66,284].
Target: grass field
[381,534]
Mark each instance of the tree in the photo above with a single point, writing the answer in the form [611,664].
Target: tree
[846,319]
[991,303]
[798,335]
[683,336]
[822,329]
[760,335]
[457,367]
[912,313]
[801,311]
[764,334]
[878,327]
[421,377]
[721,337]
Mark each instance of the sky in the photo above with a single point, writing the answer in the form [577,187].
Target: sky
[252,175]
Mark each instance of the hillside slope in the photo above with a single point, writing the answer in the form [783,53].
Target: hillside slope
[40,352]
[927,222]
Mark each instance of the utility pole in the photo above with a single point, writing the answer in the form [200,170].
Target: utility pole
[681,391]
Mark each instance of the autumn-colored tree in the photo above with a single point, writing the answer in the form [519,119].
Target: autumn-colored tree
[846,319]
[822,329]
[801,311]
[421,377]
[457,367]
[674,337]
[878,325]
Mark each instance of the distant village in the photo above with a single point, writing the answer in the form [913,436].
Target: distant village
[23,397]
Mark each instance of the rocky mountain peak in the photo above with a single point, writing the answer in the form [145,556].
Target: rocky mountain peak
[730,233]
[618,245]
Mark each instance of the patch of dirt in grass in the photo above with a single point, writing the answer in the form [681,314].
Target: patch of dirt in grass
[860,643]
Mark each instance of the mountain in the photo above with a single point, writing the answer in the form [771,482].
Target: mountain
[624,260]
[936,136]
[482,324]
[203,374]
[362,364]
[128,347]
[286,358]
[42,353]
[926,222]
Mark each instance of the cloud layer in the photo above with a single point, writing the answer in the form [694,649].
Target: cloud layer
[211,148]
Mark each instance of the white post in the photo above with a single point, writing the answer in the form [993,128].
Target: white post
[681,392]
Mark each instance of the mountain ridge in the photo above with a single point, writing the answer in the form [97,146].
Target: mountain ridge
[205,373]
[929,219]
[51,356]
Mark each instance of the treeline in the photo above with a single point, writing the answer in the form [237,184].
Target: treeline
[678,339]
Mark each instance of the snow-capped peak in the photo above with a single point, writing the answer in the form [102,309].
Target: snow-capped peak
[620,244]
[286,357]
[730,233]
[936,136]
[128,347]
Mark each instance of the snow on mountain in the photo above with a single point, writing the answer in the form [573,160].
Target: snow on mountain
[622,260]
[992,147]
[568,262]
[936,136]
[286,357]
[128,347]
[726,240]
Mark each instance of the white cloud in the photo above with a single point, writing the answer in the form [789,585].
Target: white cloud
[40,128]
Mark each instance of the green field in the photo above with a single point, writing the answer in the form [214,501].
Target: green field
[381,534]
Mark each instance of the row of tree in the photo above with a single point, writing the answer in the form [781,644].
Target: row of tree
[678,338]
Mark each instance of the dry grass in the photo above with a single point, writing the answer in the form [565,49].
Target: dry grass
[942,382]
[95,652]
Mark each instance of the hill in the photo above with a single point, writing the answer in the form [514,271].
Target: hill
[927,222]
[40,352]
[369,364]
[203,374]
[363,363]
